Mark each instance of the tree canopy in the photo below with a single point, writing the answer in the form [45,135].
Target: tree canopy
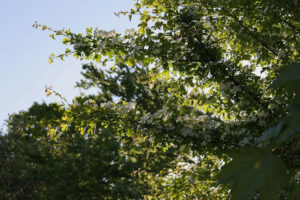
[202,101]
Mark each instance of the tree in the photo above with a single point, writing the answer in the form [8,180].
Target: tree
[180,99]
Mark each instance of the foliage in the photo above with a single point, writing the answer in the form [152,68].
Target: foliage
[181,97]
[254,170]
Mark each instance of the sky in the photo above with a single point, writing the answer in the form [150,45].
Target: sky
[24,51]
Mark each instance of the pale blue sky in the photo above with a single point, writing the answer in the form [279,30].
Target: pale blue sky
[24,51]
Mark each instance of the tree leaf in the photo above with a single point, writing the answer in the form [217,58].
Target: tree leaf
[288,75]
[295,193]
[254,170]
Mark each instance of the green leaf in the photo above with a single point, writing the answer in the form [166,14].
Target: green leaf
[44,27]
[288,75]
[52,36]
[254,170]
[50,60]
[65,40]
[64,127]
[295,193]
[89,30]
